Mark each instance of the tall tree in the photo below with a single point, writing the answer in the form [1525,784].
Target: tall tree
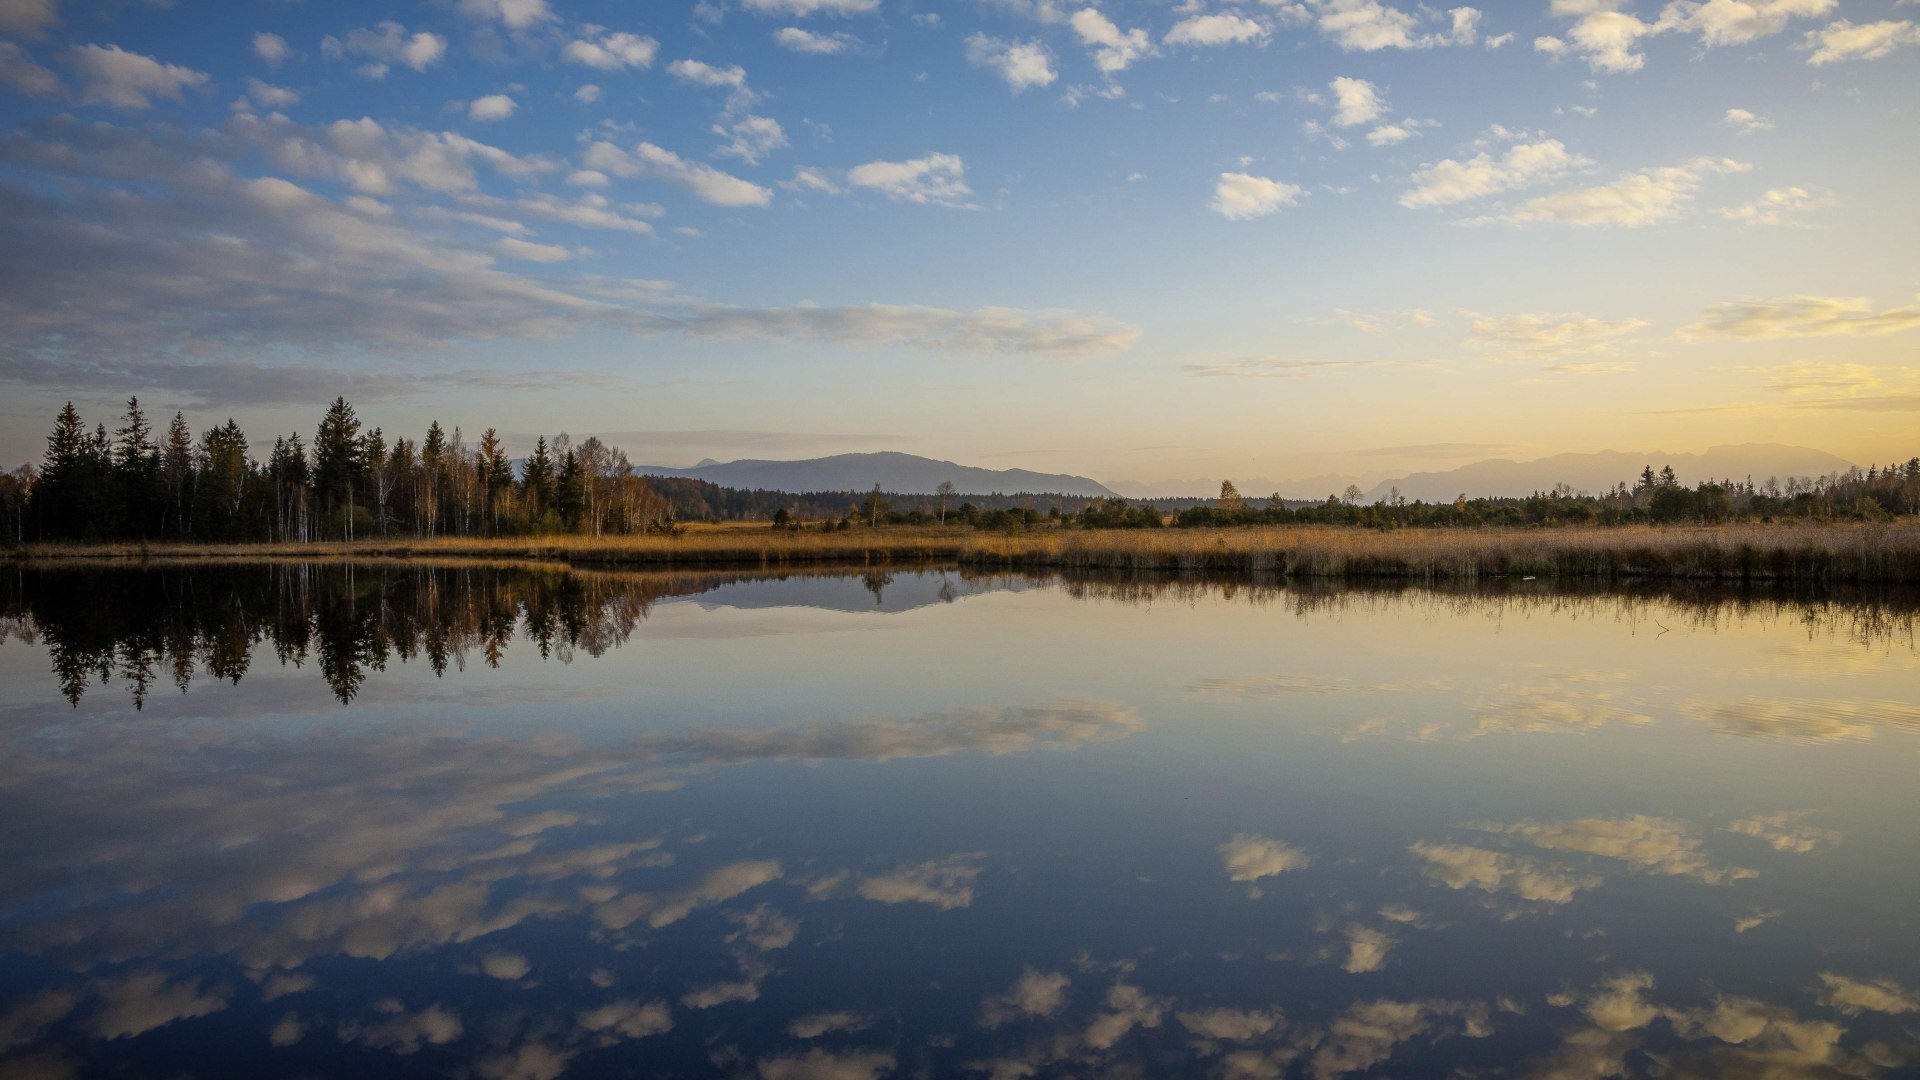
[337,462]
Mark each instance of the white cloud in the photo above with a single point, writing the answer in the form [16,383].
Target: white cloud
[811,7]
[648,160]
[1033,994]
[588,94]
[491,107]
[1023,64]
[1802,316]
[1745,121]
[1207,30]
[1605,37]
[515,248]
[980,330]
[589,211]
[1737,22]
[1249,858]
[1390,134]
[705,74]
[612,51]
[813,43]
[1608,37]
[751,138]
[28,18]
[20,74]
[513,14]
[935,178]
[1547,336]
[388,43]
[1114,49]
[1367,949]
[1777,207]
[1240,196]
[1449,181]
[128,80]
[271,48]
[1355,102]
[268,96]
[1369,26]
[134,1004]
[1843,40]
[1637,199]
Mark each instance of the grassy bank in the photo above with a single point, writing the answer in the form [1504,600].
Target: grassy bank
[1888,553]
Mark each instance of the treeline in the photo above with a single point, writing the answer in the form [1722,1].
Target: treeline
[350,483]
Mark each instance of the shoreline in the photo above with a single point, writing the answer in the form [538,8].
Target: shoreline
[1887,553]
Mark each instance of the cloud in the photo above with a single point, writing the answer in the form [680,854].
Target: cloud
[515,248]
[1841,40]
[1738,22]
[1232,1025]
[1127,1007]
[401,1032]
[1461,866]
[1810,721]
[1642,842]
[810,7]
[1241,196]
[1276,367]
[1249,857]
[1784,832]
[268,96]
[1355,102]
[1390,134]
[822,1064]
[505,966]
[1214,30]
[1368,1033]
[1035,994]
[990,731]
[751,138]
[512,14]
[1855,996]
[1114,49]
[1538,336]
[28,18]
[271,48]
[1784,317]
[1369,26]
[1460,181]
[939,179]
[1608,38]
[629,1019]
[664,909]
[20,74]
[814,1025]
[1636,200]
[1744,121]
[1367,949]
[705,182]
[140,1002]
[1449,181]
[387,43]
[605,51]
[127,80]
[491,107]
[1023,64]
[796,39]
[945,883]
[1778,206]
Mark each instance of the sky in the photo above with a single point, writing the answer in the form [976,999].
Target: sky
[1133,239]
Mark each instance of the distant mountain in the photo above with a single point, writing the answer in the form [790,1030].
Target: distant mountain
[1599,472]
[906,474]
[1311,487]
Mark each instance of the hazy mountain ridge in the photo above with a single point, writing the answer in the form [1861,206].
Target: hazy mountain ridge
[1598,472]
[892,470]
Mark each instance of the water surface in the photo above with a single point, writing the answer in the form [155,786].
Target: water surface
[472,820]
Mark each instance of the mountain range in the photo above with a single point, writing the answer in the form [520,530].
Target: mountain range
[1598,472]
[893,471]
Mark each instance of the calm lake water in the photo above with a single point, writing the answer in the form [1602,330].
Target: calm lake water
[283,820]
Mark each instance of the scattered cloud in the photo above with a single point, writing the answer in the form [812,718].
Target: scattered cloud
[1215,29]
[1034,995]
[20,74]
[1114,50]
[1785,317]
[604,51]
[113,76]
[1450,181]
[938,179]
[1778,206]
[1370,26]
[28,18]
[272,49]
[814,43]
[491,107]
[751,138]
[1745,120]
[1636,200]
[649,161]
[1023,64]
[803,8]
[1855,996]
[1241,196]
[388,43]
[1841,40]
[1355,102]
[1249,857]
[1462,866]
[1535,336]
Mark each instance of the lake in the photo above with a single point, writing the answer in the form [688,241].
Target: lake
[518,822]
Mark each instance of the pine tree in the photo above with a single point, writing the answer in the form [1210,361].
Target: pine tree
[176,474]
[538,481]
[337,462]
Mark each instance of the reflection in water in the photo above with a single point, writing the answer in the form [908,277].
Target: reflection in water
[714,824]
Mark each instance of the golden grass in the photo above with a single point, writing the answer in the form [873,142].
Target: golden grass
[1843,552]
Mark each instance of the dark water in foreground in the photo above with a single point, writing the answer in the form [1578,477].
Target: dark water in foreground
[504,823]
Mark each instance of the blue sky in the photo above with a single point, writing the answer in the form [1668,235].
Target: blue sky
[1134,240]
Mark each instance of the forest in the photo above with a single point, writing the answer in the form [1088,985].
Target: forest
[351,482]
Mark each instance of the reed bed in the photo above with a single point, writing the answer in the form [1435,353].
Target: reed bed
[1879,553]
